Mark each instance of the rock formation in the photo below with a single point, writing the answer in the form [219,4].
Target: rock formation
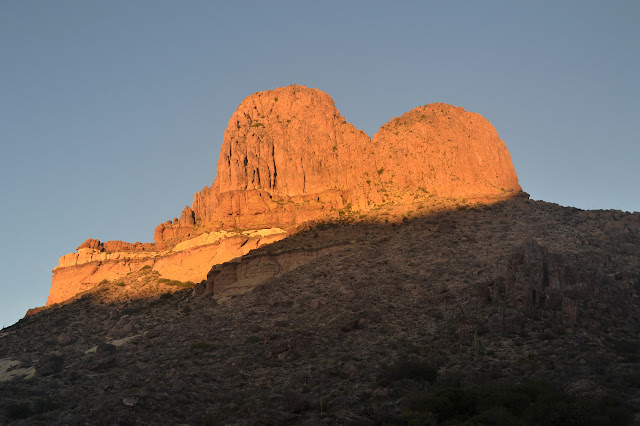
[289,157]
[416,306]
[189,260]
[446,150]
[175,230]
[516,312]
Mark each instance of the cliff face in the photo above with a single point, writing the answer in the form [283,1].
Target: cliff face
[290,141]
[189,260]
[291,146]
[289,157]
[446,150]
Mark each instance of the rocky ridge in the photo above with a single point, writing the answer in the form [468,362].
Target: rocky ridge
[427,293]
[288,158]
[517,312]
[189,260]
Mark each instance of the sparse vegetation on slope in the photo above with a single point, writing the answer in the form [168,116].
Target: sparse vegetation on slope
[424,321]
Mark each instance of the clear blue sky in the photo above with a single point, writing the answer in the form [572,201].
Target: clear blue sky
[112,112]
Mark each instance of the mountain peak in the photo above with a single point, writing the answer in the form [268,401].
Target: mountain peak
[293,142]
[289,157]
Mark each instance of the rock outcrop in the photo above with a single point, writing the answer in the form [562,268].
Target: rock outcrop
[114,246]
[447,151]
[242,274]
[288,157]
[557,302]
[175,230]
[189,260]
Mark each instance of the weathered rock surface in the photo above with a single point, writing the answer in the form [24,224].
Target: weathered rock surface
[242,274]
[288,153]
[175,230]
[189,260]
[288,157]
[446,150]
[336,339]
[114,246]
[193,264]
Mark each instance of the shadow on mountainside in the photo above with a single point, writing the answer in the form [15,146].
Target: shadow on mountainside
[511,313]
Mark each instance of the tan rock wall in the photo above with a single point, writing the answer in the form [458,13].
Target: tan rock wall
[446,150]
[77,272]
[289,157]
[292,142]
[69,281]
[238,276]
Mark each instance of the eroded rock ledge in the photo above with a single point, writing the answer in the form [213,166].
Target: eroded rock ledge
[189,260]
[289,157]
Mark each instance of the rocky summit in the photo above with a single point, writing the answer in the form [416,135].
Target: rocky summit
[288,157]
[329,278]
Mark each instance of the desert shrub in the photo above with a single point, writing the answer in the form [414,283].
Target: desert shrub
[41,405]
[201,347]
[526,403]
[481,330]
[547,335]
[187,284]
[632,378]
[145,268]
[18,410]
[103,282]
[252,339]
[627,348]
[210,419]
[132,310]
[23,410]
[408,369]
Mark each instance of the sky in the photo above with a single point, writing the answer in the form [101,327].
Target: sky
[112,112]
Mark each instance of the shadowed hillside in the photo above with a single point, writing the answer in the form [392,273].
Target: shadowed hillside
[326,277]
[508,313]
[288,157]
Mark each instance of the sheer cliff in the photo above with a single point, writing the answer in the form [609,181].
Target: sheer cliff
[289,157]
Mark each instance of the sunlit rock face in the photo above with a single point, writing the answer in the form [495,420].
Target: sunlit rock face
[446,150]
[288,157]
[190,260]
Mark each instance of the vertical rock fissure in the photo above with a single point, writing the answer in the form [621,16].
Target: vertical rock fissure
[304,178]
[275,170]
[246,173]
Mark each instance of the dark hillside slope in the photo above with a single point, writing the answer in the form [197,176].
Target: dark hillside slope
[517,312]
